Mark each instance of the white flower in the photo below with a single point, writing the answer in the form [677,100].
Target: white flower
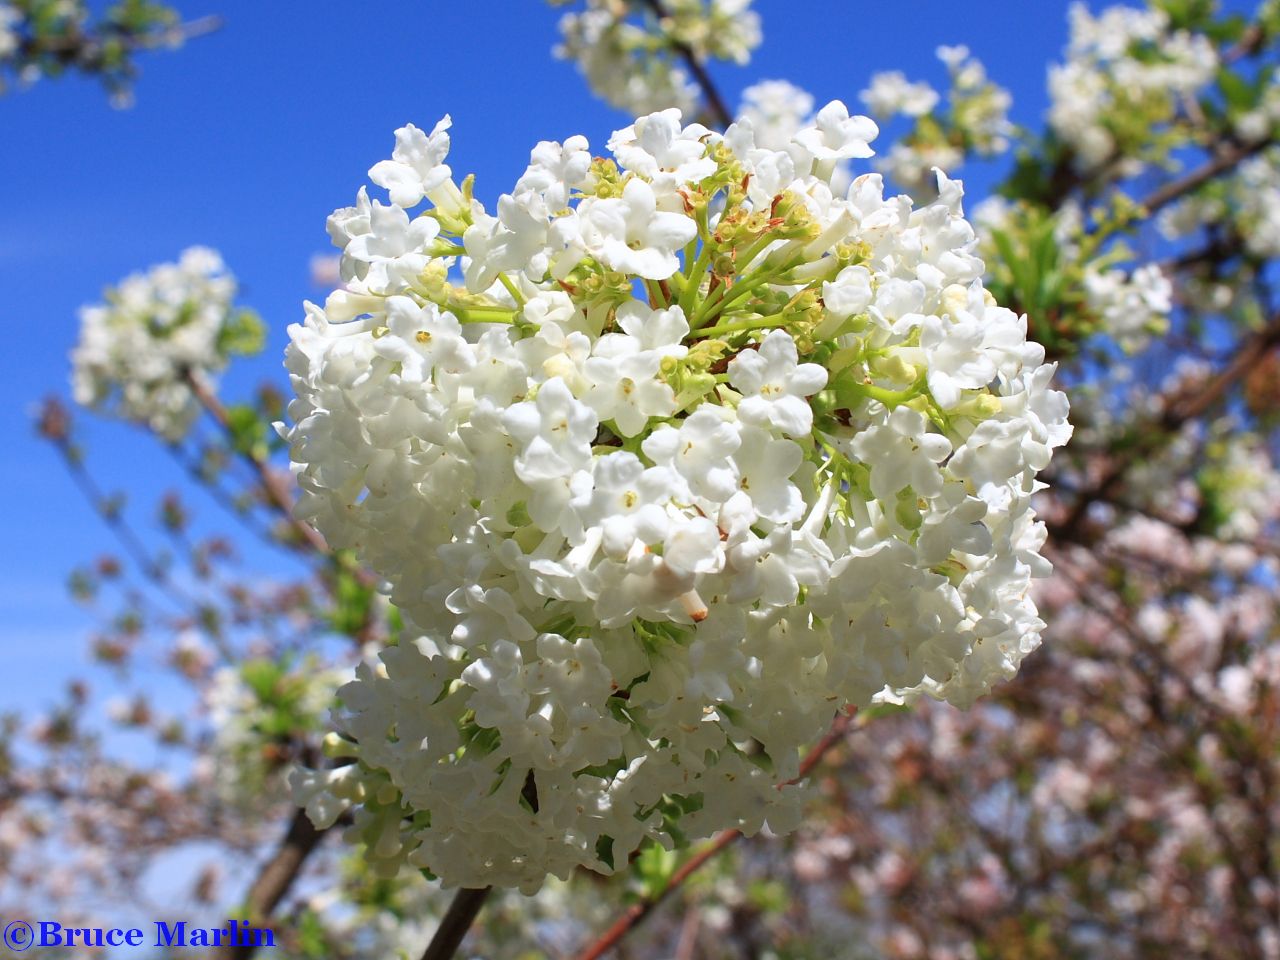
[659,147]
[659,331]
[891,93]
[393,250]
[775,110]
[902,453]
[422,340]
[516,239]
[837,136]
[1132,306]
[626,391]
[765,466]
[956,358]
[626,500]
[849,293]
[555,170]
[417,166]
[775,386]
[699,452]
[555,431]
[631,235]
[156,330]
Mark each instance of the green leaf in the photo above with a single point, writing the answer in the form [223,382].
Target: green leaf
[262,676]
[243,334]
[248,430]
[654,867]
[352,600]
[1237,91]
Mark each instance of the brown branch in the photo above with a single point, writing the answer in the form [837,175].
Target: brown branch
[457,921]
[716,107]
[1220,164]
[1250,42]
[637,912]
[277,876]
[274,485]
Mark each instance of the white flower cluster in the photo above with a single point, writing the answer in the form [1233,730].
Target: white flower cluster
[976,119]
[617,45]
[891,94]
[1124,68]
[1260,123]
[1131,305]
[670,457]
[980,107]
[1243,486]
[254,709]
[137,349]
[776,110]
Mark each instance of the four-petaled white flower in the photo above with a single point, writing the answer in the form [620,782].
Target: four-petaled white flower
[700,452]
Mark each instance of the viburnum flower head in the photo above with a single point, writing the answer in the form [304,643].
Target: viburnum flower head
[676,456]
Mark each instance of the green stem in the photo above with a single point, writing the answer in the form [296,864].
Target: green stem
[655,295]
[748,284]
[481,314]
[512,289]
[690,293]
[755,249]
[756,323]
[443,248]
[890,398]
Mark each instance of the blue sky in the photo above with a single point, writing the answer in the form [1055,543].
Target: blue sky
[246,139]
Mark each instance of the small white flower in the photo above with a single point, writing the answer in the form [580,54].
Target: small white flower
[765,466]
[775,386]
[699,451]
[902,453]
[630,234]
[417,164]
[393,251]
[956,359]
[837,136]
[891,93]
[625,390]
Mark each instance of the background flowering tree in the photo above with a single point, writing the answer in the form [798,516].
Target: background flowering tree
[47,38]
[1116,798]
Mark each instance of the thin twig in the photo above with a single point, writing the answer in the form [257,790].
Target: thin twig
[636,913]
[715,102]
[1250,42]
[151,568]
[274,485]
[225,499]
[457,921]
